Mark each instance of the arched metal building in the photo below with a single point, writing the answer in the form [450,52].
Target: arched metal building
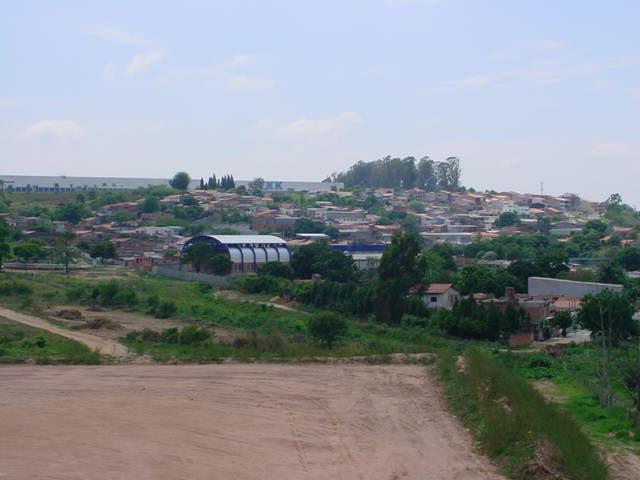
[247,252]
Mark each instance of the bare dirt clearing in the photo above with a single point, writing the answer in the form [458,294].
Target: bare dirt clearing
[230,422]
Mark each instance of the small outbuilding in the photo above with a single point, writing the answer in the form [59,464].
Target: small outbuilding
[440,295]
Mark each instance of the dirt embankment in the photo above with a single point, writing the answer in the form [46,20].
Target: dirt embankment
[104,346]
[231,421]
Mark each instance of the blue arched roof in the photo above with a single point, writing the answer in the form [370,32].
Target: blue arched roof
[222,242]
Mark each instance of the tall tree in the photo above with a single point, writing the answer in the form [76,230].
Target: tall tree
[397,274]
[427,174]
[5,248]
[65,249]
[453,172]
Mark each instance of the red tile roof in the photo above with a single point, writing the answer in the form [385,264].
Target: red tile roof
[437,288]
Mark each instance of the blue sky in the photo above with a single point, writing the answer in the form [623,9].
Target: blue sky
[522,91]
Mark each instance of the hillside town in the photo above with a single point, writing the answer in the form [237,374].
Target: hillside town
[148,228]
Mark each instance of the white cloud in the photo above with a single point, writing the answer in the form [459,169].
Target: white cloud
[245,82]
[316,126]
[55,131]
[117,35]
[537,73]
[242,59]
[143,61]
[110,71]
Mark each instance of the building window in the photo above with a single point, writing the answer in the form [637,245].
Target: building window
[434,299]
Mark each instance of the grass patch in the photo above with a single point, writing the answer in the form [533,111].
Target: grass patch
[21,343]
[192,302]
[527,435]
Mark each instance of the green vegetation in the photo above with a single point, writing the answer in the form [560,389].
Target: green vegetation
[202,256]
[571,379]
[527,435]
[20,343]
[327,328]
[406,172]
[198,303]
[180,181]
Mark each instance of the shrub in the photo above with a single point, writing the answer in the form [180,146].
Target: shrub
[165,309]
[327,328]
[11,287]
[193,335]
[105,294]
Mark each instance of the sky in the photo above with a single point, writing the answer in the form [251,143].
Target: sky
[523,92]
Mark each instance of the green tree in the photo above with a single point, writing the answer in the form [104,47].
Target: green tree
[543,224]
[628,258]
[27,251]
[121,217]
[563,320]
[65,249]
[151,204]
[203,256]
[398,274]
[507,219]
[256,186]
[103,250]
[220,264]
[180,181]
[608,314]
[70,212]
[327,328]
[612,273]
[320,258]
[276,269]
[5,247]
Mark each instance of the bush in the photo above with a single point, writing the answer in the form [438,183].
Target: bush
[272,342]
[12,287]
[276,269]
[193,335]
[105,294]
[327,328]
[166,309]
[264,283]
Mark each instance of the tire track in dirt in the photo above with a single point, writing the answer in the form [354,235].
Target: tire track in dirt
[104,346]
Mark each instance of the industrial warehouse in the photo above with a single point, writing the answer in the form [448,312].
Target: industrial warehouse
[246,252]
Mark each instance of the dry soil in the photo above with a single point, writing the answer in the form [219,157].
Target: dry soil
[242,421]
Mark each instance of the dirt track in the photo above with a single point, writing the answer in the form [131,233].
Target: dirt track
[104,345]
[230,422]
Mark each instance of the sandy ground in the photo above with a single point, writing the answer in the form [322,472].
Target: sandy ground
[230,422]
[105,346]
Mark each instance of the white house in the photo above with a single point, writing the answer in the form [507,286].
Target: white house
[440,295]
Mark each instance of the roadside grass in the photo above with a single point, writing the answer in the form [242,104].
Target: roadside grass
[569,380]
[515,425]
[21,343]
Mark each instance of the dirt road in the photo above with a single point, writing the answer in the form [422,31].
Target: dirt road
[245,421]
[104,345]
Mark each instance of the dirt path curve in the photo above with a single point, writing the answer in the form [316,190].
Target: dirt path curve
[249,422]
[104,346]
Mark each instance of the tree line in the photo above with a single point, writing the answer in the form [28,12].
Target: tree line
[408,172]
[226,182]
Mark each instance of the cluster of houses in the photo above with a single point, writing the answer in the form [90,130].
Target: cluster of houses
[438,216]
[545,297]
